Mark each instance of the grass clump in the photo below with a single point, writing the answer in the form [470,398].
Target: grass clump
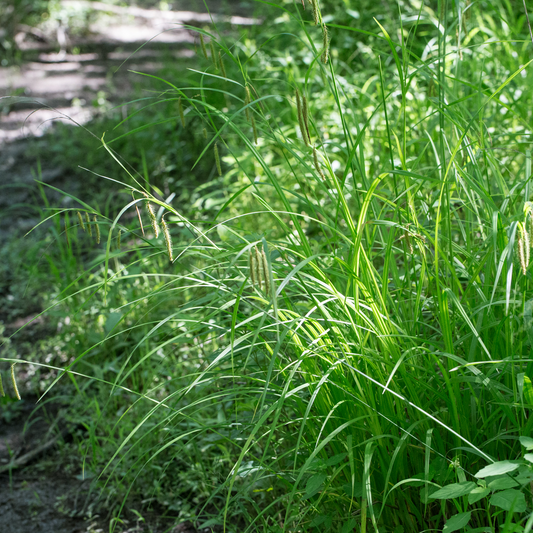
[344,329]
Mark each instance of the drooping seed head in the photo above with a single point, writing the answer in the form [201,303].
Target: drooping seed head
[266,273]
[88,220]
[97,230]
[2,391]
[14,381]
[213,54]
[258,268]
[317,165]
[168,239]
[118,238]
[316,11]
[153,219]
[202,44]
[325,44]
[221,63]
[205,134]
[305,113]
[300,118]
[80,219]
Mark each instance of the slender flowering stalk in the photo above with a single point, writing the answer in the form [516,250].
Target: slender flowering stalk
[80,219]
[97,230]
[180,108]
[140,218]
[221,63]
[217,160]
[118,238]
[168,239]
[14,381]
[88,220]
[2,391]
[205,134]
[202,44]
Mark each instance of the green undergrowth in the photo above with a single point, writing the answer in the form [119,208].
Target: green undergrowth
[333,331]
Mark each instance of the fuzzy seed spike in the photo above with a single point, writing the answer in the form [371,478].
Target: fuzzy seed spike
[317,165]
[305,113]
[202,44]
[251,265]
[168,239]
[88,220]
[257,264]
[2,391]
[266,273]
[325,44]
[153,219]
[205,134]
[118,238]
[316,11]
[14,382]
[80,219]
[217,160]
[97,230]
[221,63]
[213,54]
[300,118]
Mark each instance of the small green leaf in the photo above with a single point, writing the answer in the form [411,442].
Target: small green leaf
[313,485]
[456,522]
[508,499]
[455,490]
[527,442]
[529,457]
[496,469]
[478,494]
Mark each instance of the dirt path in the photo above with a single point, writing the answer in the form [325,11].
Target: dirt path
[82,78]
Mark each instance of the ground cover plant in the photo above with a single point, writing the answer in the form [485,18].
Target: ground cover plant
[334,331]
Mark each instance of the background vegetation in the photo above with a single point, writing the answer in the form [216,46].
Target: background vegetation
[306,303]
